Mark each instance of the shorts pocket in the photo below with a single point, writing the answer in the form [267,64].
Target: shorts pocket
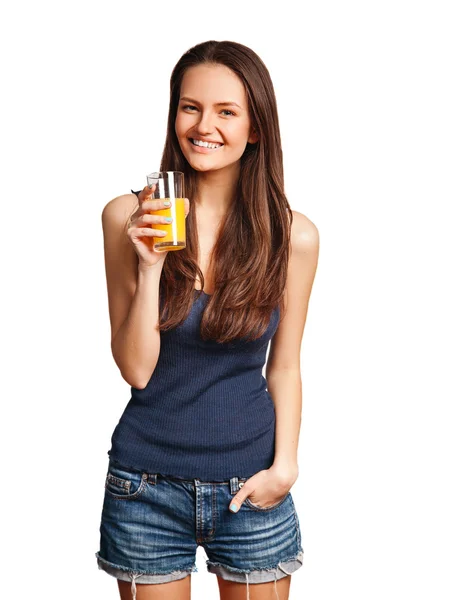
[123,484]
[252,506]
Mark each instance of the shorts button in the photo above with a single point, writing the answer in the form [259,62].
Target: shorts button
[241,484]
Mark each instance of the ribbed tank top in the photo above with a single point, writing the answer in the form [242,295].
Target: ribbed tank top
[206,412]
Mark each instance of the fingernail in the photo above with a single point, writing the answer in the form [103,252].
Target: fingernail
[167,203]
[234,507]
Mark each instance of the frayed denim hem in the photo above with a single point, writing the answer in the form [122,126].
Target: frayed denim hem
[126,574]
[264,575]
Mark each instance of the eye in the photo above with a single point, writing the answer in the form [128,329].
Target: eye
[188,106]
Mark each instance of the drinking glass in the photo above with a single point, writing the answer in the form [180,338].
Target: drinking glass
[169,186]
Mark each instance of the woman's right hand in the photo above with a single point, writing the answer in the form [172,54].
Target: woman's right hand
[140,232]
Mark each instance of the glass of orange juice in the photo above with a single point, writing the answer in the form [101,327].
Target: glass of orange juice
[169,186]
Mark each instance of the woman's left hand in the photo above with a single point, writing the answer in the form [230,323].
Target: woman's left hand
[265,488]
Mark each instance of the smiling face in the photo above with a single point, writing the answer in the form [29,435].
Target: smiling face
[213,108]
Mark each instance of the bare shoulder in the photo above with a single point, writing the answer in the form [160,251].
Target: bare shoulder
[304,234]
[120,208]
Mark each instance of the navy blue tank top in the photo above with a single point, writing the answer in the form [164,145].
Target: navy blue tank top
[206,412]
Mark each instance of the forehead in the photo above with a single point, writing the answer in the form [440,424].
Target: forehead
[209,84]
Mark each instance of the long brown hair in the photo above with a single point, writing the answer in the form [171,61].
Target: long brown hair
[250,258]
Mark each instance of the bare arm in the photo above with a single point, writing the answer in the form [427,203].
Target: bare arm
[283,373]
[136,345]
[133,297]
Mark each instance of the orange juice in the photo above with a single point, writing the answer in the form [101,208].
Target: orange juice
[176,230]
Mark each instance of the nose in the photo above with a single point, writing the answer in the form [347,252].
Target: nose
[205,124]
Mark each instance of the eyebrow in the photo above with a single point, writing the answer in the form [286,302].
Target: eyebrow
[216,104]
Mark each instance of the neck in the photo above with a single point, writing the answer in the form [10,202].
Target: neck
[216,191]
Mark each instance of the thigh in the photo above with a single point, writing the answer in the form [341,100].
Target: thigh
[147,530]
[176,590]
[230,590]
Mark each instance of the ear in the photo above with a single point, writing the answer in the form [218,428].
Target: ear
[253,138]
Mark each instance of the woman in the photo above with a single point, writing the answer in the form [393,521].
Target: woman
[205,452]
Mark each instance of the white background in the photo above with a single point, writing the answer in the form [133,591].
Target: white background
[362,90]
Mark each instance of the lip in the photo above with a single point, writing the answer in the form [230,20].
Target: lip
[202,149]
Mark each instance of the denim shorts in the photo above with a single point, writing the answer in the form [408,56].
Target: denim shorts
[152,524]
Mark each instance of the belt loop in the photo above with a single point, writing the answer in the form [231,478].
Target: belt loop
[234,485]
[152,478]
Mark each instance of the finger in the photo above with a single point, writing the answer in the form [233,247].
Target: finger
[186,206]
[145,193]
[238,499]
[146,231]
[148,218]
[155,205]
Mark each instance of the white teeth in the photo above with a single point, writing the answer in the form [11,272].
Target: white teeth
[205,144]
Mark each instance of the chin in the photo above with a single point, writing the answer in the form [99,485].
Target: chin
[209,165]
[205,168]
[202,165]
